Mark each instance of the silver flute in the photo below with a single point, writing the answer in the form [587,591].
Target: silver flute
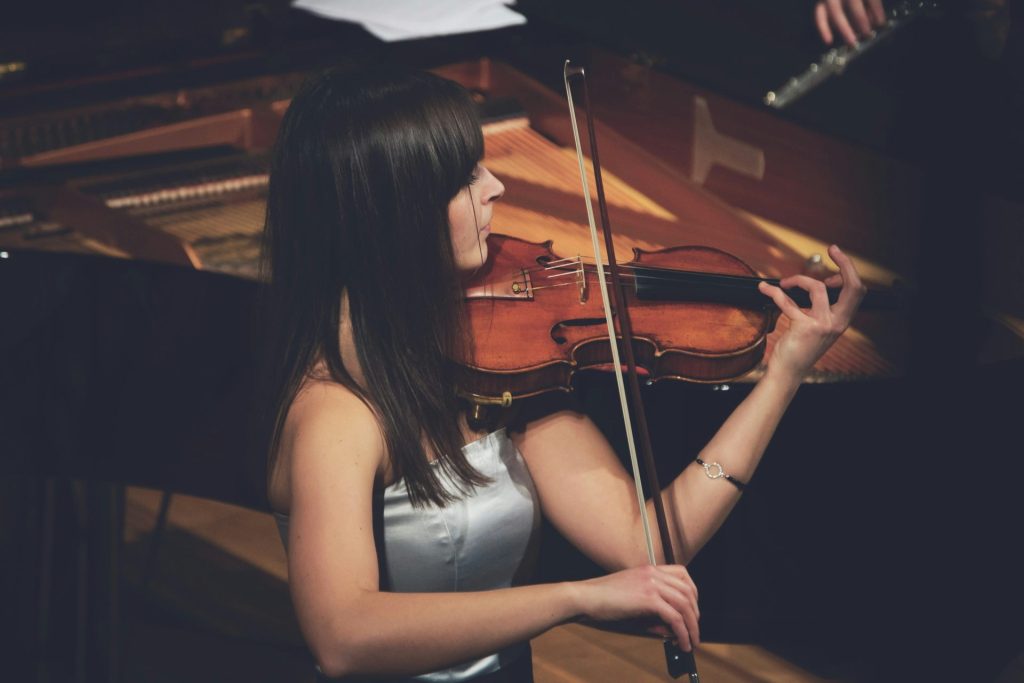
[835,61]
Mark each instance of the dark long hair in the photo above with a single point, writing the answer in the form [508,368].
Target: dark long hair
[363,169]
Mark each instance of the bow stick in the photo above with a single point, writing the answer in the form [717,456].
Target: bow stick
[677,660]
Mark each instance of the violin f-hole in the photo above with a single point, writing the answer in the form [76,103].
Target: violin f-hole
[576,322]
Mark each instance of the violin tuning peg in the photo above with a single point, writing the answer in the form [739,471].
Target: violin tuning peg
[815,267]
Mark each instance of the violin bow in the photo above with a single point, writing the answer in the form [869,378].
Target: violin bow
[678,661]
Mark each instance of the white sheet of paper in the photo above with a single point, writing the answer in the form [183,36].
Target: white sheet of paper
[406,19]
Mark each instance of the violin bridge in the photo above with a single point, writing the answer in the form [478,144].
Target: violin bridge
[581,280]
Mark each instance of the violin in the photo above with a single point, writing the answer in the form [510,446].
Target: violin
[536,318]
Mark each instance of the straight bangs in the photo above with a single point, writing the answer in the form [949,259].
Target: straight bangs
[459,144]
[427,135]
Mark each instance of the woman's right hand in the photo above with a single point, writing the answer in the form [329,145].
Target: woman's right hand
[663,591]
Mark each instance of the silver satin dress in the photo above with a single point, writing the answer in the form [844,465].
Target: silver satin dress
[483,541]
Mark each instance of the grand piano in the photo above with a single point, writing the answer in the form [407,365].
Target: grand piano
[878,540]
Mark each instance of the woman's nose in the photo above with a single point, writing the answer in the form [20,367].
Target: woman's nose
[493,188]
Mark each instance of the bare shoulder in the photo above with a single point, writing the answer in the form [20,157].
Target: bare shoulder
[330,438]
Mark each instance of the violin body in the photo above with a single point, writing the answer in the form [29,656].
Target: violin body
[536,318]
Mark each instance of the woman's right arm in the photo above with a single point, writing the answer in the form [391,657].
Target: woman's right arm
[334,452]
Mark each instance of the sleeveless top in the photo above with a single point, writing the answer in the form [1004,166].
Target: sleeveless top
[482,541]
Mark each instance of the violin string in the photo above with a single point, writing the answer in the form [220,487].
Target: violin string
[654,274]
[646,276]
[743,285]
[562,274]
[567,261]
[643,274]
[585,261]
[650,274]
[557,284]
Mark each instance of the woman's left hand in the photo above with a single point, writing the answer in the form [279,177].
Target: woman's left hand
[813,330]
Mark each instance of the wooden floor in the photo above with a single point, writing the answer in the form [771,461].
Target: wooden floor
[216,608]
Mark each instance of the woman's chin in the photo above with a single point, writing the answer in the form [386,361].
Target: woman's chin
[471,263]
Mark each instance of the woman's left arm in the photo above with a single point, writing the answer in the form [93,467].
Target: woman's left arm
[591,500]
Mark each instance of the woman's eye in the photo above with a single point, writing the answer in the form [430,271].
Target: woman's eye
[473,177]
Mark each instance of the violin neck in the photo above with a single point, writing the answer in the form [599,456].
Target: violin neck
[659,284]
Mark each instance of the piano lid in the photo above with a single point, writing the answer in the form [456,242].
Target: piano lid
[763,188]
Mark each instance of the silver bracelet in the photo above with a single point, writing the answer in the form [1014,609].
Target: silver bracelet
[715,471]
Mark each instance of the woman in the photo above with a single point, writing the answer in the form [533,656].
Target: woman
[406,532]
